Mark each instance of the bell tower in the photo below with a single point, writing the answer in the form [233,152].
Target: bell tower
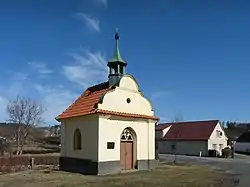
[116,64]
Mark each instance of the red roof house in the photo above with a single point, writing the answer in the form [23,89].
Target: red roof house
[192,137]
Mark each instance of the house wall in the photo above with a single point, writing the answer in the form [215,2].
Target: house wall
[88,125]
[219,141]
[183,147]
[243,147]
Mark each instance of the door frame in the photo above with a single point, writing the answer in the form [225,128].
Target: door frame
[129,135]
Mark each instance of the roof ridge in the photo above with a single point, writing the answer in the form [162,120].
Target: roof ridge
[188,122]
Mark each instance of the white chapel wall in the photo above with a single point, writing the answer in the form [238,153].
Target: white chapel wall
[111,130]
[88,125]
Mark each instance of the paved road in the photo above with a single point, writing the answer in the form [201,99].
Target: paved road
[238,166]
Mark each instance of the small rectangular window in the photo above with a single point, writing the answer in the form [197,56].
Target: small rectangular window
[214,146]
[110,145]
[173,147]
[221,146]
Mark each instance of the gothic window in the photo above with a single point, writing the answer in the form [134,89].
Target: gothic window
[127,135]
[77,140]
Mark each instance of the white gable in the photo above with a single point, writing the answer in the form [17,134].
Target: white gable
[218,139]
[162,133]
[218,133]
[127,98]
[128,82]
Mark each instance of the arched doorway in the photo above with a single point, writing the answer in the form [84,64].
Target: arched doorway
[128,149]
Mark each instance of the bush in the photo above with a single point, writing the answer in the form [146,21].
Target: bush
[52,140]
[226,152]
[17,163]
[41,151]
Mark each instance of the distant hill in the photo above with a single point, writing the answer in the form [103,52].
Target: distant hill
[8,130]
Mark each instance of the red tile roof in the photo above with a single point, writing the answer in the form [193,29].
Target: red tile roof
[162,126]
[191,130]
[87,104]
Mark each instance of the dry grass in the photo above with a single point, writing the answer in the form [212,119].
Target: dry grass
[170,176]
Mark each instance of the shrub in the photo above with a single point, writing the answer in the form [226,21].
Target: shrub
[52,140]
[226,152]
[24,160]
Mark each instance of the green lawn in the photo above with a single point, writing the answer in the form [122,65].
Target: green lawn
[167,176]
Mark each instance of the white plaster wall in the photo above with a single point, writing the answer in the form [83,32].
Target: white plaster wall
[88,125]
[242,147]
[116,100]
[217,140]
[110,130]
[183,147]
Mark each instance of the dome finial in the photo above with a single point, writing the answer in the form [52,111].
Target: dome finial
[117,56]
[116,34]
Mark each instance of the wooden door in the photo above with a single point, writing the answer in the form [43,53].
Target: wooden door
[126,155]
[129,155]
[122,156]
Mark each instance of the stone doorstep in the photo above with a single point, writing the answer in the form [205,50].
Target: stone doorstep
[129,171]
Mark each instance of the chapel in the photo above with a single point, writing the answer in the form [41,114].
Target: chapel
[110,127]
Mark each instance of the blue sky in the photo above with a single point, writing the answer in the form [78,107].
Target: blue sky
[189,57]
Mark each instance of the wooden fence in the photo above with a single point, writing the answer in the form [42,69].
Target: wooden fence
[22,162]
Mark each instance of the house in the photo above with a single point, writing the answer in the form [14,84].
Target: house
[190,138]
[110,127]
[242,143]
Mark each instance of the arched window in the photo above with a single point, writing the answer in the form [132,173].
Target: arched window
[77,140]
[126,135]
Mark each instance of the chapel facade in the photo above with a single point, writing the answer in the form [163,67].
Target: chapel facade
[110,127]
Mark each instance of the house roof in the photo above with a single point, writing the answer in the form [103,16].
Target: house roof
[87,104]
[191,130]
[162,126]
[245,137]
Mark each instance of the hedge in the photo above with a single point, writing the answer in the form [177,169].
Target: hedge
[17,163]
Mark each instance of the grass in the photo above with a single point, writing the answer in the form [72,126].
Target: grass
[167,176]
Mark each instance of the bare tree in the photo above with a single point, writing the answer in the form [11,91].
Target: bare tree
[177,118]
[26,113]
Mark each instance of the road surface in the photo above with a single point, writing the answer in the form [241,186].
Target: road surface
[238,166]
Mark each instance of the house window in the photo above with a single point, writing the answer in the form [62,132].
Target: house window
[77,140]
[219,133]
[214,146]
[173,147]
[220,146]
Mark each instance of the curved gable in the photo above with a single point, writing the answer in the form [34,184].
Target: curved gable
[128,82]
[127,98]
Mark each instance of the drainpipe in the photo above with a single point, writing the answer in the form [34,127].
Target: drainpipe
[148,146]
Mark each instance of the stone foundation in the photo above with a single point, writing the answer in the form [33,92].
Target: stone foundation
[88,167]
